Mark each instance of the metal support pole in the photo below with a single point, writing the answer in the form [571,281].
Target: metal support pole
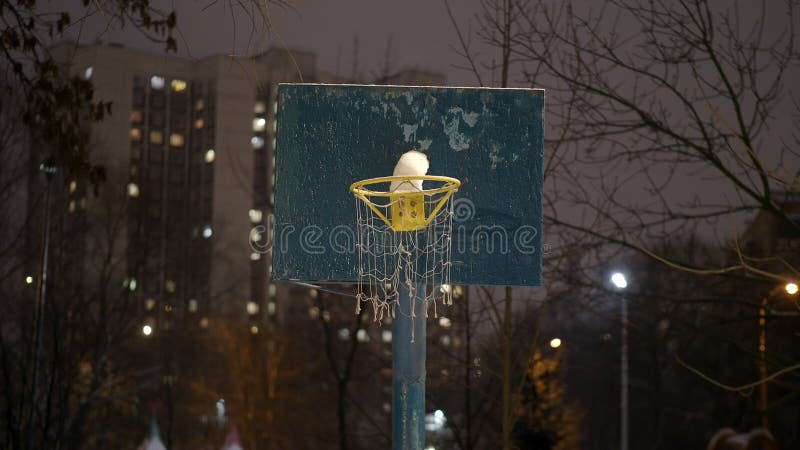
[624,378]
[41,292]
[408,369]
[762,363]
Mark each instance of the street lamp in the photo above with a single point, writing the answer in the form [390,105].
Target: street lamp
[620,282]
[555,343]
[791,289]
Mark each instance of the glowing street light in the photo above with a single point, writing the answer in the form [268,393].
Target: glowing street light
[620,282]
[147,330]
[555,343]
[791,288]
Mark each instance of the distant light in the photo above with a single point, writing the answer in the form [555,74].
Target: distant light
[618,279]
[169,286]
[176,140]
[73,185]
[445,288]
[259,124]
[157,82]
[343,333]
[791,288]
[555,342]
[28,279]
[255,215]
[445,322]
[313,312]
[445,340]
[386,336]
[149,304]
[255,256]
[147,330]
[271,308]
[257,142]
[210,155]
[178,85]
[435,421]
[132,284]
[199,123]
[204,323]
[207,231]
[88,72]
[253,329]
[362,335]
[192,305]
[133,190]
[252,308]
[259,107]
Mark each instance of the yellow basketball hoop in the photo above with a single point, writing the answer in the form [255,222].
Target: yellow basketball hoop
[409,207]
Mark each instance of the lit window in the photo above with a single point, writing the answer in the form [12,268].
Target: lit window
[149,304]
[255,256]
[313,312]
[274,126]
[207,231]
[168,308]
[176,140]
[199,104]
[326,316]
[28,279]
[275,107]
[444,322]
[136,116]
[362,335]
[82,202]
[259,107]
[445,340]
[210,155]
[255,215]
[257,141]
[169,286]
[178,85]
[386,336]
[199,123]
[253,329]
[136,134]
[147,330]
[157,82]
[71,206]
[88,72]
[271,289]
[343,333]
[204,323]
[274,143]
[271,308]
[458,291]
[252,308]
[73,185]
[132,284]
[192,305]
[156,137]
[259,124]
[133,190]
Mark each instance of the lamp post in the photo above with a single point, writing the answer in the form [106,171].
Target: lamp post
[791,289]
[620,282]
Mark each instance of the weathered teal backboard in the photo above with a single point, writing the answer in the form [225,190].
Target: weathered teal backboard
[330,136]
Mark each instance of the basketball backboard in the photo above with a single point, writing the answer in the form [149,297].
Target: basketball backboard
[330,136]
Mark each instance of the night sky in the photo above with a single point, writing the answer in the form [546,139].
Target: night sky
[421,33]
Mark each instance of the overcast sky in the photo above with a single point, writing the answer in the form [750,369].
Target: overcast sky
[420,31]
